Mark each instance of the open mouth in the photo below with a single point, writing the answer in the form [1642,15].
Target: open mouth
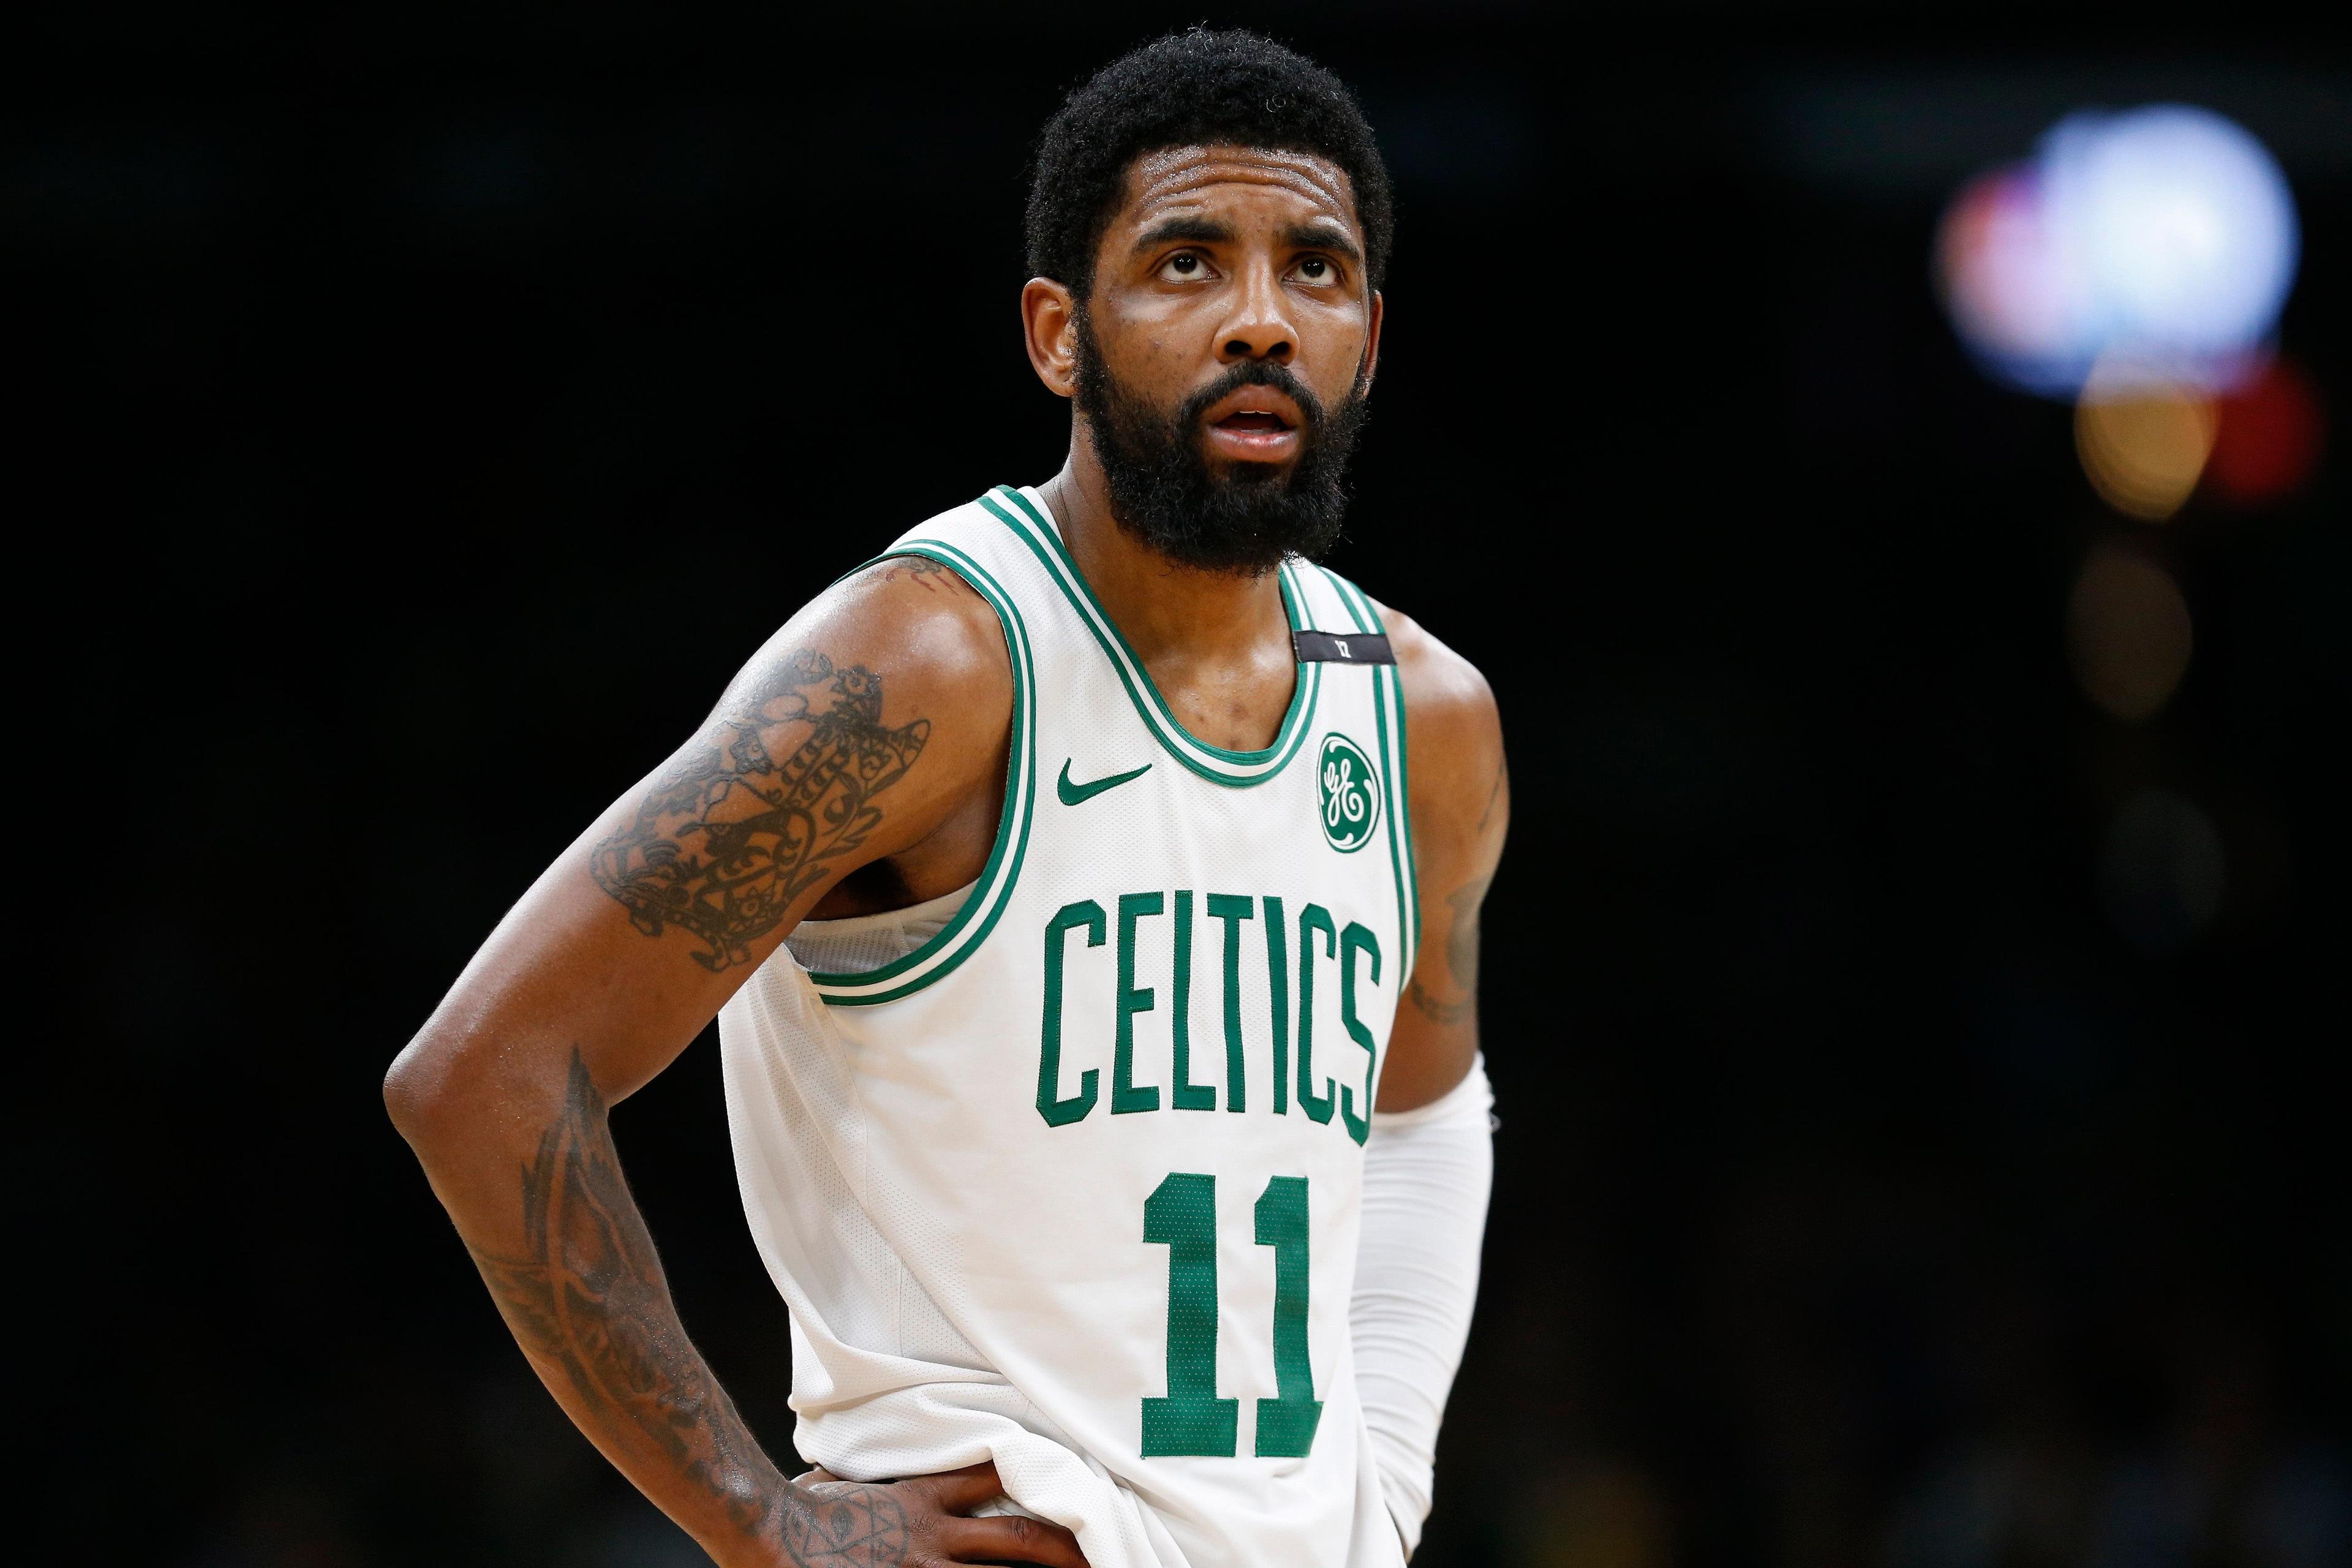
[1254,425]
[1254,420]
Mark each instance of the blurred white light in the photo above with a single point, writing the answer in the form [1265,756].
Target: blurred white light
[2164,237]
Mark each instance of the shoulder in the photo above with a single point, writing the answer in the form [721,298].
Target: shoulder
[1453,743]
[902,651]
[1449,706]
[910,622]
[923,617]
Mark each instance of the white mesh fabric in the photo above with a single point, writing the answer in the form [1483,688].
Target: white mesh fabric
[868,942]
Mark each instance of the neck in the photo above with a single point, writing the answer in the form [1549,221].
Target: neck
[1168,610]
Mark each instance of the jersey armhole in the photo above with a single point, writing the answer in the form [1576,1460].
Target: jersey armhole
[962,935]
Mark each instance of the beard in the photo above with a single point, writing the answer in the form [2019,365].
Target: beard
[1245,522]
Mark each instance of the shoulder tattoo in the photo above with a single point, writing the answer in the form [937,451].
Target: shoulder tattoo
[744,822]
[921,571]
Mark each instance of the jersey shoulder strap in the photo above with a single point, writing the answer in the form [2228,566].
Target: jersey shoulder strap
[1359,637]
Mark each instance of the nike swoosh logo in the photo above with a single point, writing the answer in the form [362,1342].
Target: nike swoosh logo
[1072,794]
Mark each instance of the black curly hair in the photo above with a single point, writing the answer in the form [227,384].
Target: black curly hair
[1199,88]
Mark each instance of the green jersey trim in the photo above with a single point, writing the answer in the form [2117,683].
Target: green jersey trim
[961,936]
[1236,769]
[1388,681]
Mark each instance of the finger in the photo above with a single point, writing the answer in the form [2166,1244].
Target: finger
[961,1491]
[1010,1538]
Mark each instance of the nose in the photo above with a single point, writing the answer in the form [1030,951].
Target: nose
[1259,326]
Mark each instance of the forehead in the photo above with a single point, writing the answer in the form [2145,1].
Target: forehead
[1184,181]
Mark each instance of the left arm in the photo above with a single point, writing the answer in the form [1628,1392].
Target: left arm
[1461,807]
[1430,1160]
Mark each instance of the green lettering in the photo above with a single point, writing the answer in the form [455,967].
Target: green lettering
[1277,990]
[1233,909]
[1353,940]
[1183,1094]
[1059,1112]
[1311,918]
[1125,1098]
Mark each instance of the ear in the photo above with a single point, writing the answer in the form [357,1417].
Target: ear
[1049,327]
[1372,339]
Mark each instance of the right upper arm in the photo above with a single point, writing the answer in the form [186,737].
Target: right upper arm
[870,720]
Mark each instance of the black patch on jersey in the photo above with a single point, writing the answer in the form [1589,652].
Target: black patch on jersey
[1331,648]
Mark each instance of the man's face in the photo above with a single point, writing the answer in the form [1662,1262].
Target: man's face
[1223,354]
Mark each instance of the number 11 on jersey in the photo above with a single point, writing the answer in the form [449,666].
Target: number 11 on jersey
[1182,1215]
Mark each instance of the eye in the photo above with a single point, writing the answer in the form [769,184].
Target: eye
[1316,270]
[1184,267]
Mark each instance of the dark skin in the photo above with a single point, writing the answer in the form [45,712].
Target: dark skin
[858,764]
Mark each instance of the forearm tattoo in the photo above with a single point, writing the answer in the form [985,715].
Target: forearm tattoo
[744,823]
[586,1295]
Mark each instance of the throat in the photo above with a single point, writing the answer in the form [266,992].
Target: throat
[1232,704]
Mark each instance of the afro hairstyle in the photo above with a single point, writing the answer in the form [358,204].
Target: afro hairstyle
[1200,88]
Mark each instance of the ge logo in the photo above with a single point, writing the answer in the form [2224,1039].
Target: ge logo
[1348,793]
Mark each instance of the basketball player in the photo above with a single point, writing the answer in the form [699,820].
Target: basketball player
[1088,893]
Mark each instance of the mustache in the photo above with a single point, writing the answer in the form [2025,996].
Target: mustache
[1253,372]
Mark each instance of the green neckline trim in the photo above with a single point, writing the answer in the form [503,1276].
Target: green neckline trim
[1212,763]
[1393,778]
[1292,608]
[982,910]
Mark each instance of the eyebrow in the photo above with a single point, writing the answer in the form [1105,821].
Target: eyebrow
[1327,236]
[1200,230]
[1319,235]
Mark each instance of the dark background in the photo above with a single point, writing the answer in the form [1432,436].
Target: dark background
[432,407]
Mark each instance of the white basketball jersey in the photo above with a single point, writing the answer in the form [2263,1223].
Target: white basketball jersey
[1074,1184]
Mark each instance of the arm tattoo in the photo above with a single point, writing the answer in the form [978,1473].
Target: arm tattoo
[1493,795]
[732,834]
[587,1294]
[1461,956]
[1438,1011]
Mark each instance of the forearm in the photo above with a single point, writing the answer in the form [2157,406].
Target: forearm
[1426,1177]
[567,1257]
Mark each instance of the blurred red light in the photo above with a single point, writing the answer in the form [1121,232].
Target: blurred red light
[2268,439]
